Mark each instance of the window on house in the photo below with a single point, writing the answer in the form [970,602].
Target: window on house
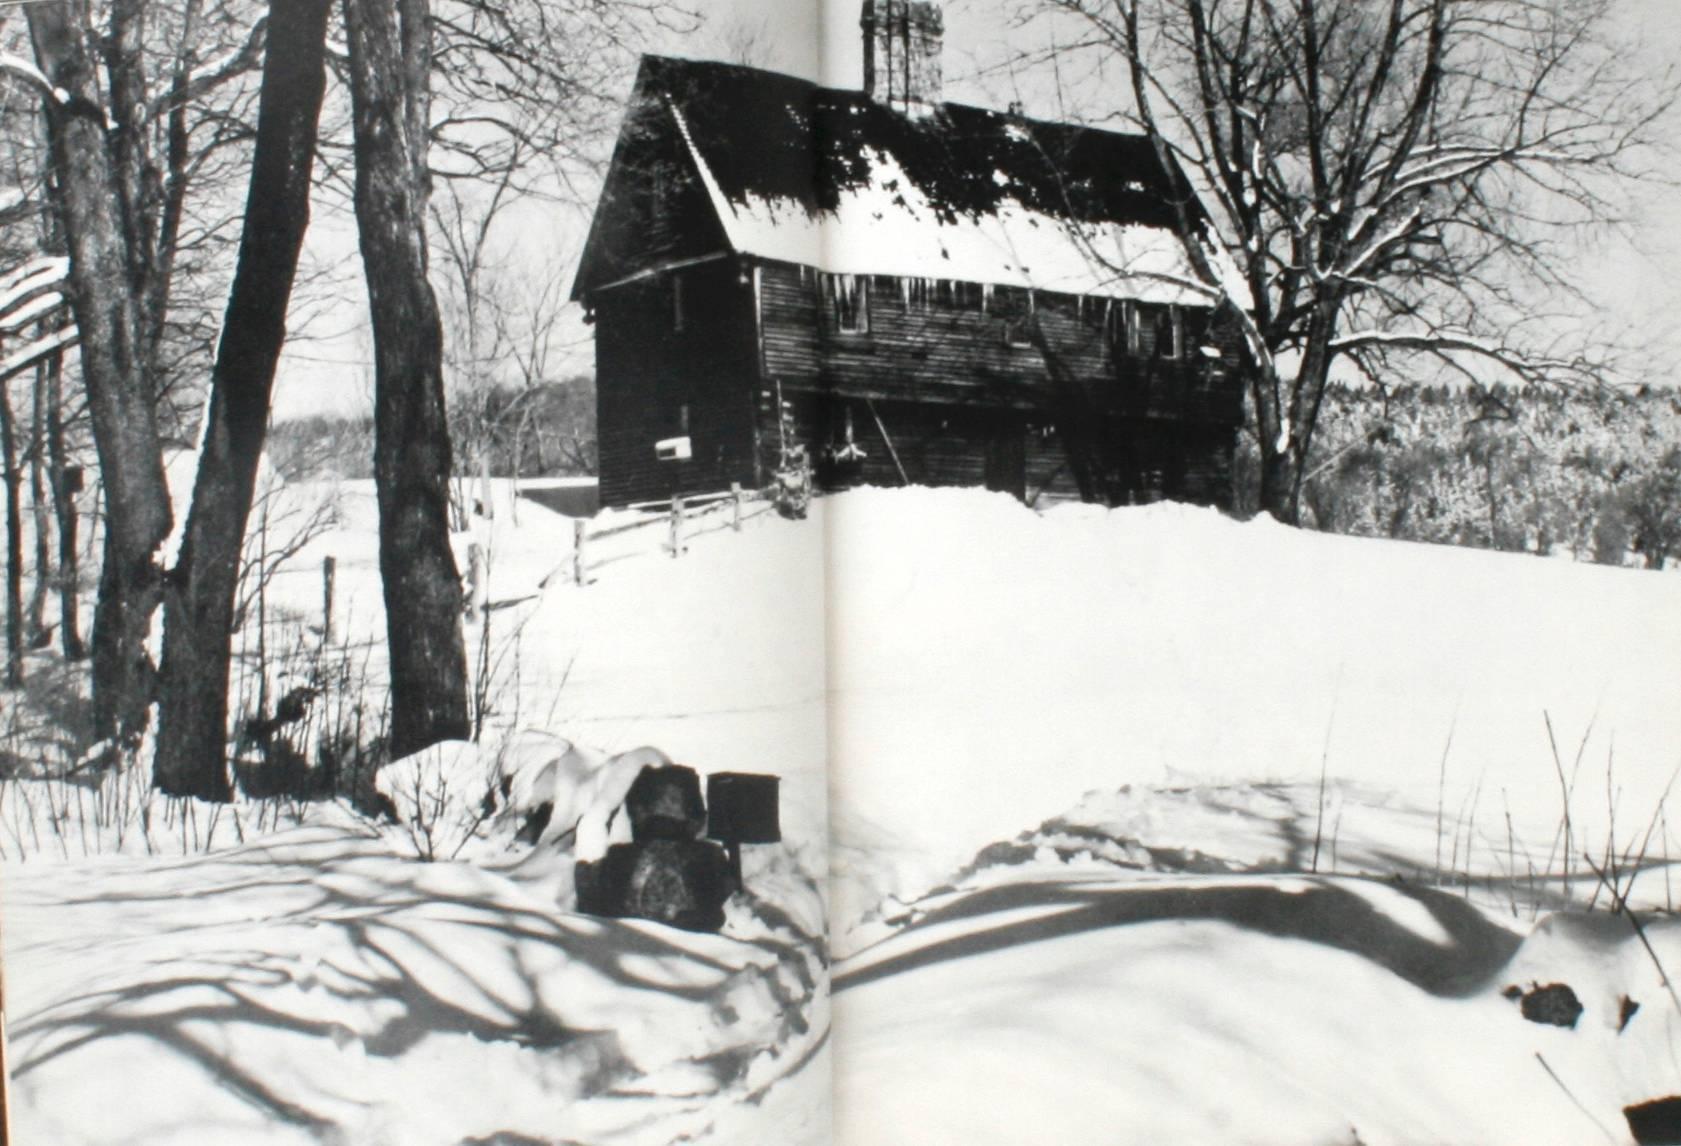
[1122,327]
[849,302]
[1196,332]
[1170,333]
[1015,308]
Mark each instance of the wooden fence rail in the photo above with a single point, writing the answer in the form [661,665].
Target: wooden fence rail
[681,517]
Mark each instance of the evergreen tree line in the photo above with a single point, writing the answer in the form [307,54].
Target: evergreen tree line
[1593,474]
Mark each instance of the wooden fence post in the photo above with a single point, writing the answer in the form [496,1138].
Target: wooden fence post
[478,590]
[329,574]
[677,525]
[735,498]
[580,531]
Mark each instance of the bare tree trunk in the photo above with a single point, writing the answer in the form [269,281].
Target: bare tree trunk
[64,509]
[389,64]
[38,635]
[120,394]
[1287,414]
[200,597]
[1280,483]
[13,478]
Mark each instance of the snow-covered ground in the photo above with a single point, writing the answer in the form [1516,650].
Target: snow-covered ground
[1085,1005]
[1063,773]
[1076,762]
[989,665]
[317,983]
[315,987]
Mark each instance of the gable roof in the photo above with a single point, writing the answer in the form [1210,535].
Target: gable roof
[832,179]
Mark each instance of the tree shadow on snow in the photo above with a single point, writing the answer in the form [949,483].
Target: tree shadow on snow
[401,960]
[1326,912]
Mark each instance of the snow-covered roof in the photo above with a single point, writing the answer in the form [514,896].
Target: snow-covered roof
[832,179]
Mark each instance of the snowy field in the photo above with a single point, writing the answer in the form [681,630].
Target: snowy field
[1139,825]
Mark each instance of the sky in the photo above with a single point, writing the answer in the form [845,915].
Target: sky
[1634,275]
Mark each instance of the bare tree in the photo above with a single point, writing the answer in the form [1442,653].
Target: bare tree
[64,512]
[12,472]
[533,87]
[124,153]
[29,294]
[532,328]
[94,178]
[502,326]
[40,506]
[744,41]
[149,113]
[199,600]
[1382,180]
[463,219]
[30,232]
[390,61]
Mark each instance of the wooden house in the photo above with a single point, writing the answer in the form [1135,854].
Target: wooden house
[920,292]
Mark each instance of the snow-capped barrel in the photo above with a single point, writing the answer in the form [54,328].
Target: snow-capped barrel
[742,808]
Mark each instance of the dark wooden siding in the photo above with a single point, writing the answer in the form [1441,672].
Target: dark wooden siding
[1048,477]
[948,344]
[1019,451]
[959,403]
[1166,426]
[650,375]
[936,445]
[792,337]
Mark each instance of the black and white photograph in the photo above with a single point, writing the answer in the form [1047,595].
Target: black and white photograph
[840,572]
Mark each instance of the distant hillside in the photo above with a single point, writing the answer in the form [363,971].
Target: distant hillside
[546,430]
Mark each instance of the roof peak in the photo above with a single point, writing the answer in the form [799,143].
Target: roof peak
[833,179]
[1014,113]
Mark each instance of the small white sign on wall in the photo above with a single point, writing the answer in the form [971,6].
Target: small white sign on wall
[674,449]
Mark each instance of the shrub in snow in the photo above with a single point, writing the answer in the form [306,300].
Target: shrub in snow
[533,786]
[790,487]
[441,795]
